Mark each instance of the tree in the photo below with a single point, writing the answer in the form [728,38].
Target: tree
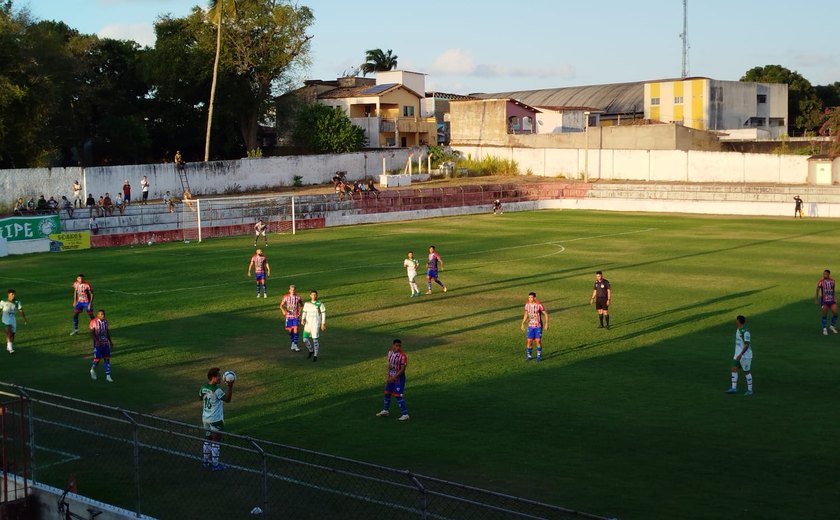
[263,48]
[829,94]
[324,129]
[378,61]
[830,126]
[803,103]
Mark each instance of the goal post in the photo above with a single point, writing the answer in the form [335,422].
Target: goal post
[231,216]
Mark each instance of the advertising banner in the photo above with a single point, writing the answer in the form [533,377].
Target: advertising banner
[70,241]
[29,228]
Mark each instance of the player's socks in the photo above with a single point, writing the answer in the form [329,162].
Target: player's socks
[214,453]
[401,403]
[601,319]
[317,345]
[76,321]
[205,453]
[10,347]
[824,321]
[528,352]
[607,319]
[734,380]
[749,382]
[833,320]
[386,403]
[107,365]
[539,353]
[258,290]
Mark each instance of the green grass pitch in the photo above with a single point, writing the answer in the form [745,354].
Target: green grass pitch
[631,422]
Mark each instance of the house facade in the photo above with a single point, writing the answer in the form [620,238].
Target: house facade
[490,121]
[390,111]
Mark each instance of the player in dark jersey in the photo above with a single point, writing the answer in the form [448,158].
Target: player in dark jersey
[797,209]
[601,294]
[395,380]
[434,263]
[82,300]
[102,344]
[826,300]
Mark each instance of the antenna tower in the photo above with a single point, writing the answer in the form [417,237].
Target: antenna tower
[684,38]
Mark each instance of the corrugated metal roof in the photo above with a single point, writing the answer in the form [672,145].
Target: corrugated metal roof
[615,98]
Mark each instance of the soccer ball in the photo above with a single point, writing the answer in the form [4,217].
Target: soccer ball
[229,376]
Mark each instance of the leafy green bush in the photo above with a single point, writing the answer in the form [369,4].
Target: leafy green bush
[487,165]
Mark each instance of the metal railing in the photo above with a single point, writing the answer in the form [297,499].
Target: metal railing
[151,465]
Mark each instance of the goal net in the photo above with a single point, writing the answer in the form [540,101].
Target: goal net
[229,216]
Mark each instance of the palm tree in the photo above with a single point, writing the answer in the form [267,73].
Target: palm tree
[218,8]
[376,61]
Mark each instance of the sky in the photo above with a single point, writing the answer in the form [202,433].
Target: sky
[467,46]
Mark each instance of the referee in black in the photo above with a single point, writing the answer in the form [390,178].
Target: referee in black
[601,294]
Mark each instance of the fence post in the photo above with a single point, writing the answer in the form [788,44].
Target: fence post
[135,448]
[424,499]
[31,420]
[264,475]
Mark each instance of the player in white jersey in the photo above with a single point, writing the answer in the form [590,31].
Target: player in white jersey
[213,397]
[313,318]
[743,357]
[10,307]
[410,265]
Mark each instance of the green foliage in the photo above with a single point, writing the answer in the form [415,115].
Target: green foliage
[830,126]
[625,406]
[803,103]
[297,181]
[440,154]
[324,129]
[829,94]
[487,165]
[378,61]
[255,153]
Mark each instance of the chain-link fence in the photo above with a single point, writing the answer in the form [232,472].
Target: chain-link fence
[151,465]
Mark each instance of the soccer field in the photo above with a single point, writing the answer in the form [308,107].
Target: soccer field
[630,422]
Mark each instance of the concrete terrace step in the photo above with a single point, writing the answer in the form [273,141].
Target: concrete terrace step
[714,192]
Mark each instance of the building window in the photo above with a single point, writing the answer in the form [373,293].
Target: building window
[654,101]
[777,121]
[762,98]
[678,100]
[755,122]
[408,111]
[513,124]
[527,124]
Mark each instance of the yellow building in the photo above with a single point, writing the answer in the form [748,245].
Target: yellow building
[759,110]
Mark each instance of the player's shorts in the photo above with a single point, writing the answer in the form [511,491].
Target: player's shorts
[601,304]
[102,351]
[395,388]
[259,276]
[431,273]
[744,363]
[828,303]
[259,233]
[213,427]
[311,332]
[291,322]
[82,307]
[13,325]
[412,277]
[533,333]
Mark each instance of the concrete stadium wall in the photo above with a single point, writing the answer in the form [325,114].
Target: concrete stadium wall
[204,178]
[653,165]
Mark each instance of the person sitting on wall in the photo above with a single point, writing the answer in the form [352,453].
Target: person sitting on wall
[108,205]
[20,207]
[52,205]
[170,201]
[371,188]
[67,206]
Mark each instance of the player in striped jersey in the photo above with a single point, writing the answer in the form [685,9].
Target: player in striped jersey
[291,306]
[102,344]
[82,300]
[434,264]
[395,380]
[743,357]
[826,300]
[261,270]
[536,319]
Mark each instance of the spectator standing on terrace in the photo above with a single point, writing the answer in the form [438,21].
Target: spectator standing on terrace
[77,194]
[144,187]
[126,189]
